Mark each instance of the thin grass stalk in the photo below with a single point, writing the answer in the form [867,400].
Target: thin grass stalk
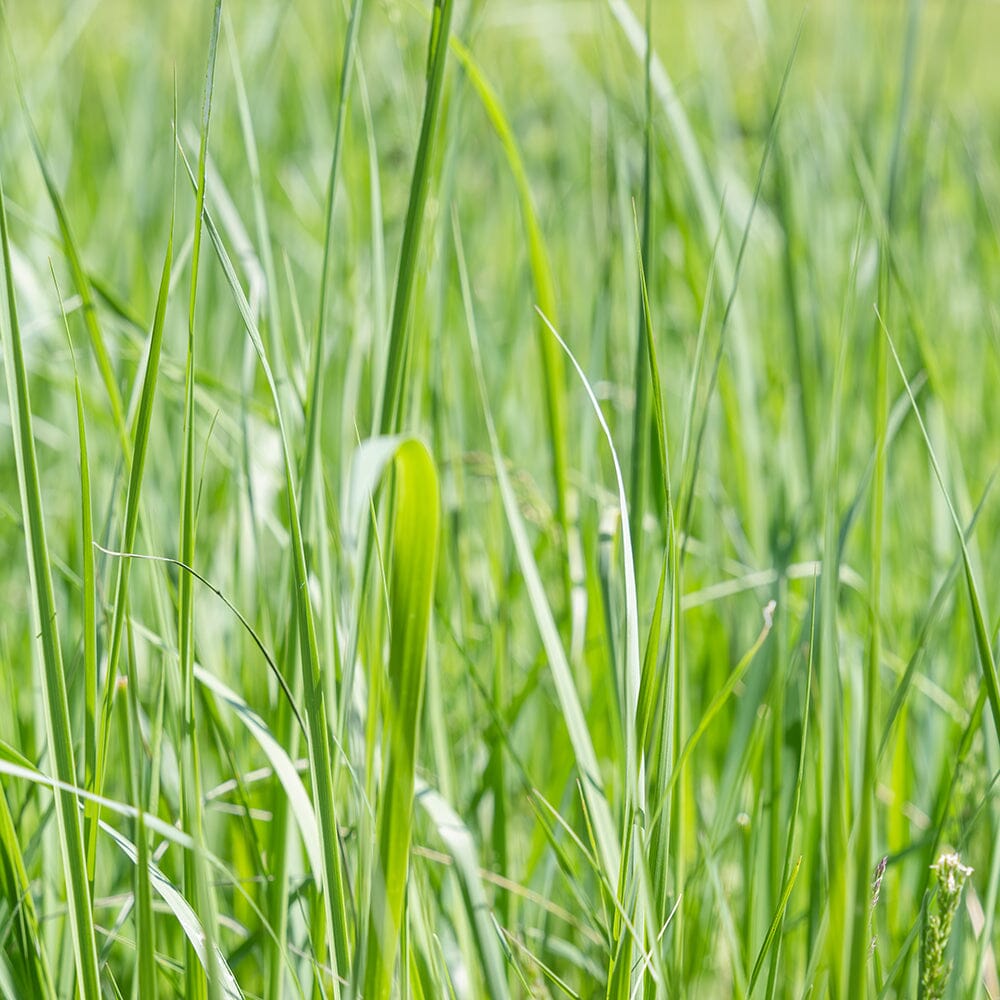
[793,814]
[865,832]
[641,413]
[391,406]
[200,981]
[89,581]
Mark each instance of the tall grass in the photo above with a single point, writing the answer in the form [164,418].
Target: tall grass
[500,500]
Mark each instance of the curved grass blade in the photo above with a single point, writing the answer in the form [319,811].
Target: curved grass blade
[633,669]
[462,848]
[411,582]
[284,768]
[185,915]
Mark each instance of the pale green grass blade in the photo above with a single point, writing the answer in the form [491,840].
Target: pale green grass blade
[185,916]
[640,414]
[83,286]
[411,582]
[458,840]
[284,768]
[630,689]
[59,729]
[631,660]
[200,981]
[90,716]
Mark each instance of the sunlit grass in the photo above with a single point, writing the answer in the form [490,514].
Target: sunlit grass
[493,508]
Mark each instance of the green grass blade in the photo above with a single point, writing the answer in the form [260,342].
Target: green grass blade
[90,717]
[411,581]
[640,415]
[277,757]
[630,682]
[60,734]
[145,942]
[774,928]
[199,979]
[185,915]
[722,695]
[631,660]
[793,816]
[392,404]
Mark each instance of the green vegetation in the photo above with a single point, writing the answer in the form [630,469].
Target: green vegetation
[493,508]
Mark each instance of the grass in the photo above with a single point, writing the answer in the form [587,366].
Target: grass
[496,508]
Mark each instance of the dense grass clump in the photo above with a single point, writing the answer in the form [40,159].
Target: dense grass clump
[491,507]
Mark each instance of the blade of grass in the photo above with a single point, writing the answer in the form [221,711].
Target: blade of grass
[200,980]
[640,415]
[631,680]
[145,928]
[775,927]
[391,405]
[37,976]
[793,816]
[90,720]
[59,729]
[411,580]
